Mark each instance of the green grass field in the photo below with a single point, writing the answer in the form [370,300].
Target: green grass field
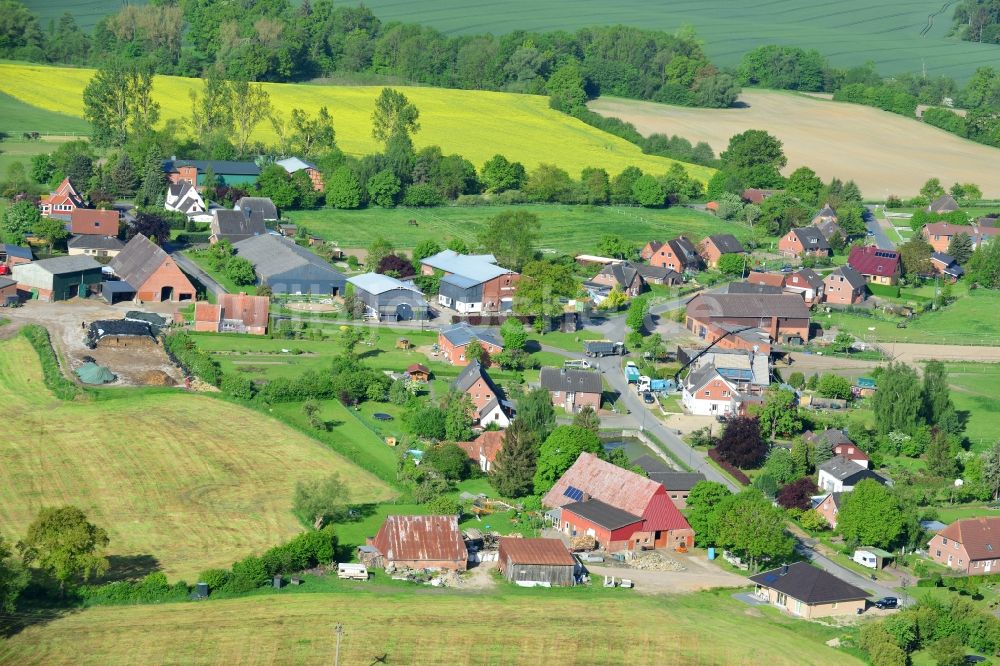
[890,34]
[974,390]
[17,117]
[474,124]
[570,229]
[429,626]
[86,13]
[970,320]
[192,481]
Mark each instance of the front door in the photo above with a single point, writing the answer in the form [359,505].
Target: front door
[987,565]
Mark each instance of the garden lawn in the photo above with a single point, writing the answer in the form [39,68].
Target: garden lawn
[571,342]
[970,320]
[949,514]
[974,390]
[205,264]
[191,481]
[568,229]
[400,626]
[466,122]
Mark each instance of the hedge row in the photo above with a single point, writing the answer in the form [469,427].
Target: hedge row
[734,471]
[183,351]
[56,382]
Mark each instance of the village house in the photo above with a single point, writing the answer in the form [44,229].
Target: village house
[235,225]
[758,196]
[421,542]
[94,222]
[543,562]
[679,255]
[233,174]
[826,221]
[483,450]
[12,255]
[152,272]
[785,317]
[829,507]
[94,246]
[472,283]
[943,204]
[945,265]
[59,278]
[62,202]
[234,313]
[808,592]
[658,275]
[454,341]
[746,287]
[293,165]
[258,206]
[729,338]
[720,382]
[878,266]
[622,510]
[623,275]
[844,286]
[939,234]
[970,546]
[489,405]
[806,283]
[711,248]
[289,269]
[572,389]
[840,475]
[387,299]
[769,279]
[804,242]
[183,197]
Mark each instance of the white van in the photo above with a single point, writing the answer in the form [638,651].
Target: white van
[578,364]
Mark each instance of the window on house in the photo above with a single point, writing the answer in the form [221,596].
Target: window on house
[937,554]
[708,393]
[959,562]
[944,540]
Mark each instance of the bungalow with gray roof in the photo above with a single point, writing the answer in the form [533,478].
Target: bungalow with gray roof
[572,389]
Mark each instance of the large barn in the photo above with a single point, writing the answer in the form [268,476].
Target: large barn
[388,299]
[152,272]
[289,269]
[421,542]
[59,278]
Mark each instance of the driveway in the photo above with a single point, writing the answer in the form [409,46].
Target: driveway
[195,271]
[668,582]
[876,228]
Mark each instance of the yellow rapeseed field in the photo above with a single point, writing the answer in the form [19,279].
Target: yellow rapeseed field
[475,124]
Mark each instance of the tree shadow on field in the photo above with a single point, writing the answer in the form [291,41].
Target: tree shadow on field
[129,567]
[11,625]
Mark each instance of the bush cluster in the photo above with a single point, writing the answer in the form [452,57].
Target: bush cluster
[734,471]
[55,381]
[183,351]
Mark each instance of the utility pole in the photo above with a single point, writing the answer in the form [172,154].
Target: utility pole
[338,629]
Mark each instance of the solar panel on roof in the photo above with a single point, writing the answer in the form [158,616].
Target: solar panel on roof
[770,578]
[574,494]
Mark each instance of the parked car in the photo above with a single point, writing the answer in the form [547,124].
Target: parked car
[886,603]
[647,398]
[975,659]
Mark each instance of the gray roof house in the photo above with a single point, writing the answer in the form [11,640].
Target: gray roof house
[839,474]
[807,591]
[943,204]
[12,253]
[471,282]
[573,389]
[462,334]
[493,409]
[235,225]
[99,246]
[659,274]
[258,205]
[753,288]
[288,268]
[388,299]
[812,239]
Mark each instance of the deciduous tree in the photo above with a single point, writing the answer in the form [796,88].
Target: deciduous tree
[559,451]
[542,288]
[13,578]
[741,443]
[702,504]
[899,400]
[320,501]
[535,411]
[499,174]
[511,237]
[797,494]
[394,114]
[588,419]
[754,529]
[64,544]
[448,459]
[870,515]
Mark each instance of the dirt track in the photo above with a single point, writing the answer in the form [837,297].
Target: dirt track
[883,152]
[910,352]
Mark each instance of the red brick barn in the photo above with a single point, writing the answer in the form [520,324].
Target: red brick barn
[619,508]
[152,272]
[785,317]
[421,542]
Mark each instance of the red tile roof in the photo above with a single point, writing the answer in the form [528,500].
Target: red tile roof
[871,260]
[980,536]
[535,551]
[251,310]
[86,221]
[65,194]
[850,451]
[771,279]
[487,444]
[207,312]
[421,538]
[945,229]
[619,488]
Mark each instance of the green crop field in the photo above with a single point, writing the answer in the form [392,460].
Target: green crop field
[397,625]
[570,229]
[475,124]
[86,13]
[16,117]
[191,481]
[896,35]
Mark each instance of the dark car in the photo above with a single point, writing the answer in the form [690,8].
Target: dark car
[887,602]
[974,659]
[647,398]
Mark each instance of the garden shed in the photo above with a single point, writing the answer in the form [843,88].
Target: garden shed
[543,562]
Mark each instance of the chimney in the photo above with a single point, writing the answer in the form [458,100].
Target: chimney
[784,569]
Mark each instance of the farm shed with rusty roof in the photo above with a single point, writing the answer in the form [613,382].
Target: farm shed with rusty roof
[421,542]
[536,561]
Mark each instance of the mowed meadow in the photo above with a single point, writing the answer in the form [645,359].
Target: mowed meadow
[474,124]
[180,481]
[394,625]
[897,35]
[882,152]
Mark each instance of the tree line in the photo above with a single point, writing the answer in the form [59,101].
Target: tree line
[278,40]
